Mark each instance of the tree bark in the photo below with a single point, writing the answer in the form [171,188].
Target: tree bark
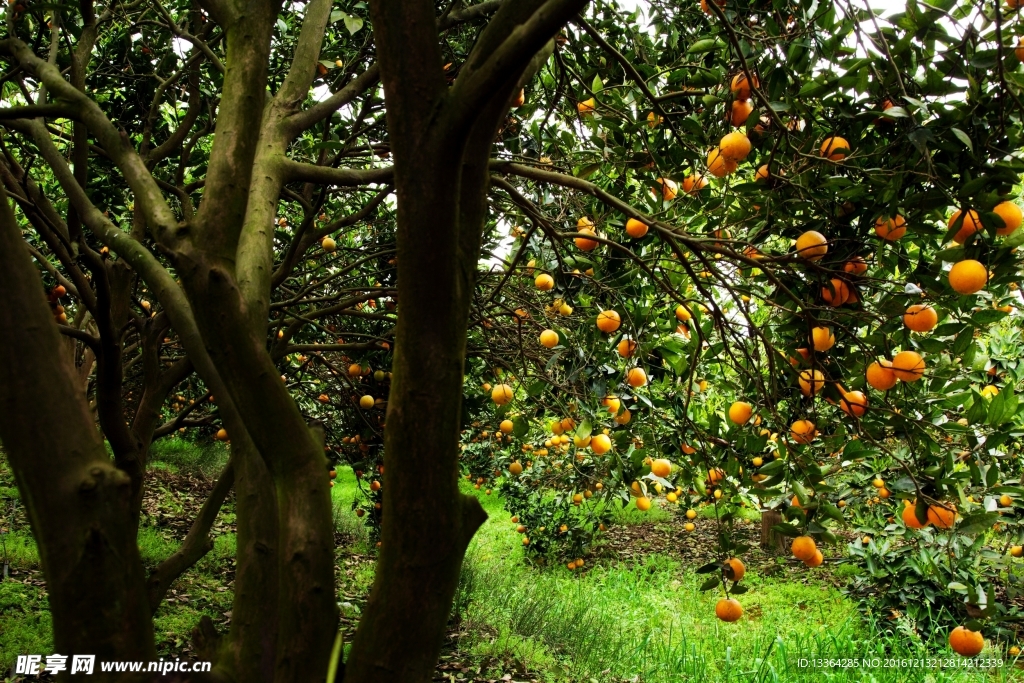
[78,503]
[770,540]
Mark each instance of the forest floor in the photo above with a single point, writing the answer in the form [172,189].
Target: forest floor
[634,613]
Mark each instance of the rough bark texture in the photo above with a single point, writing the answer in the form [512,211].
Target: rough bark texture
[78,503]
[771,540]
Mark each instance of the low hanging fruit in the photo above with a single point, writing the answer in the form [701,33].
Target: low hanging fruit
[968,276]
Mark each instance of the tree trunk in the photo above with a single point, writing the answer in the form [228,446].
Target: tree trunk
[79,504]
[772,541]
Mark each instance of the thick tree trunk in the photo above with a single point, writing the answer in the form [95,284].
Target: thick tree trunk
[79,504]
[771,540]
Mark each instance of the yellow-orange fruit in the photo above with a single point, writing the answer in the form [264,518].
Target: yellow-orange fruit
[816,560]
[971,224]
[667,188]
[692,184]
[549,339]
[608,321]
[968,276]
[584,244]
[728,609]
[587,107]
[836,292]
[683,313]
[719,165]
[891,229]
[803,548]
[910,516]
[661,468]
[740,412]
[880,375]
[643,503]
[811,245]
[740,86]
[735,569]
[811,382]
[636,377]
[502,394]
[942,516]
[735,146]
[822,338]
[908,366]
[854,403]
[803,431]
[739,112]
[366,402]
[544,282]
[600,444]
[1011,216]
[965,642]
[920,318]
[636,229]
[856,266]
[626,348]
[835,148]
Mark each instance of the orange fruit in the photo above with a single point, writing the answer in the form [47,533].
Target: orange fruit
[835,148]
[636,377]
[692,184]
[636,229]
[600,444]
[516,468]
[968,276]
[328,245]
[582,243]
[739,112]
[643,504]
[891,229]
[517,102]
[854,403]
[856,266]
[740,412]
[627,347]
[549,339]
[811,382]
[740,86]
[366,402]
[965,642]
[942,516]
[1011,216]
[803,431]
[1019,50]
[836,292]
[908,366]
[920,318]
[221,435]
[688,449]
[881,376]
[803,548]
[811,245]
[910,517]
[502,394]
[822,338]
[587,107]
[683,313]
[716,475]
[608,321]
[719,165]
[735,146]
[734,569]
[661,468]
[667,188]
[728,609]
[816,560]
[971,224]
[544,282]
[611,403]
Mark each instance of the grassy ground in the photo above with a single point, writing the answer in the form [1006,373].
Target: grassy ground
[639,620]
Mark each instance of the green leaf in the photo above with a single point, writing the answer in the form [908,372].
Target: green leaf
[585,429]
[978,523]
[710,583]
[597,84]
[786,530]
[962,137]
[353,24]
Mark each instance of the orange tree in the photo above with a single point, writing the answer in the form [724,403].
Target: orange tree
[288,227]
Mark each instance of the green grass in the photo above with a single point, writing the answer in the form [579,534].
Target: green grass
[181,455]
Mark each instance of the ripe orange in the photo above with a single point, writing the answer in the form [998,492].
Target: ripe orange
[587,107]
[920,318]
[803,431]
[822,338]
[627,347]
[740,412]
[667,188]
[856,266]
[811,382]
[908,366]
[728,609]
[506,426]
[635,229]
[854,403]
[636,377]
[688,449]
[735,146]
[502,394]
[971,224]
[965,642]
[881,376]
[608,321]
[719,165]
[683,313]
[600,444]
[968,276]
[734,569]
[549,339]
[661,468]
[835,148]
[221,435]
[692,184]
[739,112]
[516,468]
[943,516]
[836,292]
[519,101]
[1011,216]
[891,229]
[544,282]
[816,560]
[811,245]
[910,517]
[643,504]
[328,245]
[366,402]
[582,243]
[740,86]
[803,548]
[611,403]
